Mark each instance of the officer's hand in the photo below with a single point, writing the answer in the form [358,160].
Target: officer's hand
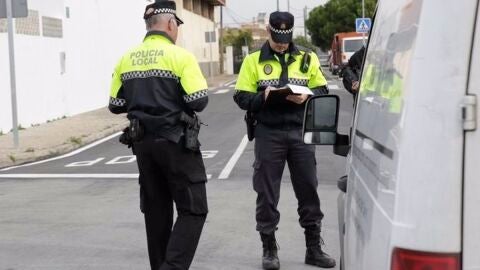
[298,99]
[267,91]
[355,85]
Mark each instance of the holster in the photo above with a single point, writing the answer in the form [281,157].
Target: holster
[192,129]
[136,130]
[251,124]
[133,133]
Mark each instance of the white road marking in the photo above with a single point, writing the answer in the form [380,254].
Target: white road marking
[85,163]
[209,154]
[233,160]
[333,87]
[122,160]
[222,91]
[79,150]
[230,82]
[86,175]
[126,160]
[91,175]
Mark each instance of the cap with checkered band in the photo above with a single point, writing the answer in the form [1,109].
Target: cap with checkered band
[281,26]
[162,7]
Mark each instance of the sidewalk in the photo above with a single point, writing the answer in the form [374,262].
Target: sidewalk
[65,135]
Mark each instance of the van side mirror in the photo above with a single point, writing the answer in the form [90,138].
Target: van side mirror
[321,122]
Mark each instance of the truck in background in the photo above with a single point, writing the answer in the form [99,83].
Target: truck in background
[344,45]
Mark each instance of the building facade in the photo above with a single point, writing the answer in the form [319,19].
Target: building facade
[65,51]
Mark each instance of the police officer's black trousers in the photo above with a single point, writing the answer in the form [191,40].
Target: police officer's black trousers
[274,147]
[170,173]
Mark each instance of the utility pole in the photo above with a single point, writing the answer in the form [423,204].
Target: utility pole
[363,8]
[305,10]
[13,82]
[278,5]
[363,16]
[288,5]
[220,41]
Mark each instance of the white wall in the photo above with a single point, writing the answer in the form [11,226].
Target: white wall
[40,86]
[95,35]
[192,36]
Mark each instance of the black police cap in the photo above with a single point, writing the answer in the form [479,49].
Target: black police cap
[162,7]
[281,26]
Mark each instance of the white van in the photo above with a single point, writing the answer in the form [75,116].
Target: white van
[412,199]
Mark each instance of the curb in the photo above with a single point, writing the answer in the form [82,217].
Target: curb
[62,148]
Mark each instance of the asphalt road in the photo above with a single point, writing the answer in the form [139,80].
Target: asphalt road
[81,211]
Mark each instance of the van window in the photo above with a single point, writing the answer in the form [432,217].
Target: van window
[352,45]
[382,90]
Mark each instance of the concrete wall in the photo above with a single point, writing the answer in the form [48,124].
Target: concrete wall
[192,38]
[210,70]
[95,35]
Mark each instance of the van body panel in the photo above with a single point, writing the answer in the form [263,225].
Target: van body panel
[406,163]
[374,161]
[471,211]
[429,191]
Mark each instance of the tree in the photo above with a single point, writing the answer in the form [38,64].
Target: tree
[334,17]
[237,38]
[302,41]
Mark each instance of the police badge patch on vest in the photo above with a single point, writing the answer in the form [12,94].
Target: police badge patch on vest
[267,69]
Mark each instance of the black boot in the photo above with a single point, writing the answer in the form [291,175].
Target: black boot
[315,255]
[270,258]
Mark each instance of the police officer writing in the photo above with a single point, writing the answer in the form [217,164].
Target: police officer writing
[278,136]
[160,87]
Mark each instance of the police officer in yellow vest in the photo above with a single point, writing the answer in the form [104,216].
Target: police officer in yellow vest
[157,84]
[278,136]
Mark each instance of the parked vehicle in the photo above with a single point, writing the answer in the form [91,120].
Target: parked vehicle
[344,45]
[412,185]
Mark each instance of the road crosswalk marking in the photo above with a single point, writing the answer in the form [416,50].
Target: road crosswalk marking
[222,91]
[78,176]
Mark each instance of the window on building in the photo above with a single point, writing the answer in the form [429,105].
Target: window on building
[188,5]
[205,9]
[3,25]
[52,27]
[29,25]
[197,6]
[211,12]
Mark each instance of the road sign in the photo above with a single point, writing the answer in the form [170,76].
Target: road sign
[363,25]
[19,7]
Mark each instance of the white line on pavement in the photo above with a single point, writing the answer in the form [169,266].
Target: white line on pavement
[91,175]
[333,87]
[233,160]
[222,91]
[230,82]
[79,150]
[86,175]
